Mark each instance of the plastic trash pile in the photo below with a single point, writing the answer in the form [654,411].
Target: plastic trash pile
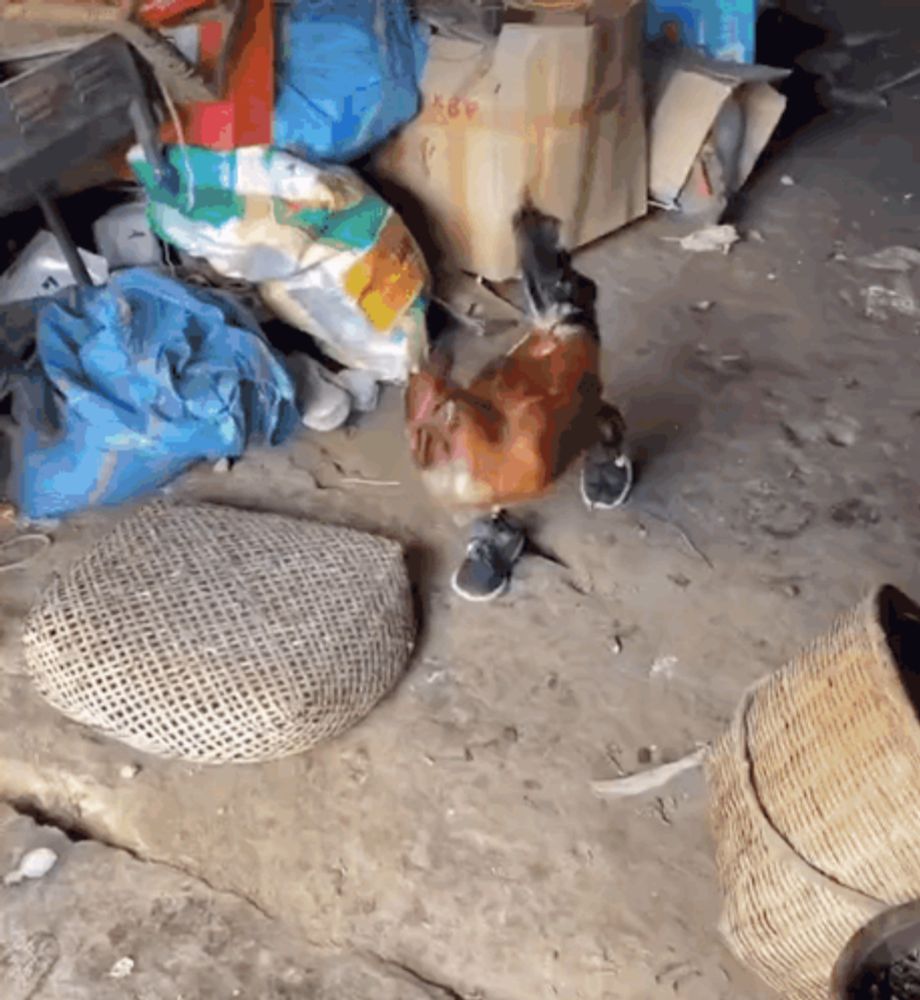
[143,374]
[140,376]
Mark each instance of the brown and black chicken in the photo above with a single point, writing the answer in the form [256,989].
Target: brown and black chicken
[507,436]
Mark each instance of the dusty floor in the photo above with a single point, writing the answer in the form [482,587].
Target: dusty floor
[454,833]
[103,925]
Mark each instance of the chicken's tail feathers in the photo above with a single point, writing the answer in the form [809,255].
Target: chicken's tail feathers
[555,291]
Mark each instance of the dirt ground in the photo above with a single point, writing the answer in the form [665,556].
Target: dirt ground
[454,835]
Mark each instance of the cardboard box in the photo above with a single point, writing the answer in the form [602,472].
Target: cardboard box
[554,107]
[721,29]
[687,101]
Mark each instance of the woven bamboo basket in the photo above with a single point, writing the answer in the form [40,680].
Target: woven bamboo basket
[221,635]
[815,797]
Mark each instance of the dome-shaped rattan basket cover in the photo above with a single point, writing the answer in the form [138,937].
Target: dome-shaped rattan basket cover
[215,634]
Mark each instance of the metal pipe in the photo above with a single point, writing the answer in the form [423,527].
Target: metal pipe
[67,245]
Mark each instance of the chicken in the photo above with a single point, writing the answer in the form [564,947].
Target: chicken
[508,435]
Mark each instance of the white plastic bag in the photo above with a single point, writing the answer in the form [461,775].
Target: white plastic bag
[41,270]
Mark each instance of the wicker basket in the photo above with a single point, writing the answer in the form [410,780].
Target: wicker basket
[220,635]
[815,797]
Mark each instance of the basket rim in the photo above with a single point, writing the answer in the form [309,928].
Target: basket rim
[880,610]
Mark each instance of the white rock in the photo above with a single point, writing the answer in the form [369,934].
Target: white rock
[122,968]
[841,430]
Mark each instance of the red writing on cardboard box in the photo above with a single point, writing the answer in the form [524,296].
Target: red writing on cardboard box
[450,108]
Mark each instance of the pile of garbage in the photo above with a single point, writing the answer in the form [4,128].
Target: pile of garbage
[277,162]
[129,362]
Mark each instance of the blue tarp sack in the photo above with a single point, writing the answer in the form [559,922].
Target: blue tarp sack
[348,76]
[136,382]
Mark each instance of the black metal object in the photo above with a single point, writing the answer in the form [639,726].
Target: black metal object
[56,225]
[68,110]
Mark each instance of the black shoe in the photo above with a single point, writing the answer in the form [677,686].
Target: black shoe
[606,478]
[495,545]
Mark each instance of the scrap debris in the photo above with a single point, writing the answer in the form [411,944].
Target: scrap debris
[33,865]
[34,541]
[853,97]
[899,81]
[651,779]
[881,301]
[663,666]
[899,259]
[709,238]
[122,968]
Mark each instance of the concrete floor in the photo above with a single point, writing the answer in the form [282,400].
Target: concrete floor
[454,834]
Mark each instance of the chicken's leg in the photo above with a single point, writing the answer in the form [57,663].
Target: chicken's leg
[607,473]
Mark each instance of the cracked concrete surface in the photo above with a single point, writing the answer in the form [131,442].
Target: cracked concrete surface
[103,925]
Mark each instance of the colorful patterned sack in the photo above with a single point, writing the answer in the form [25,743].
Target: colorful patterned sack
[328,255]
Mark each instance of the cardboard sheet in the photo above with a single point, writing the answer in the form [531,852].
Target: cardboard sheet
[686,103]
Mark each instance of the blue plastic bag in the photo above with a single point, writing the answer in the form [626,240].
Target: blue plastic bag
[721,29]
[348,76]
[135,383]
